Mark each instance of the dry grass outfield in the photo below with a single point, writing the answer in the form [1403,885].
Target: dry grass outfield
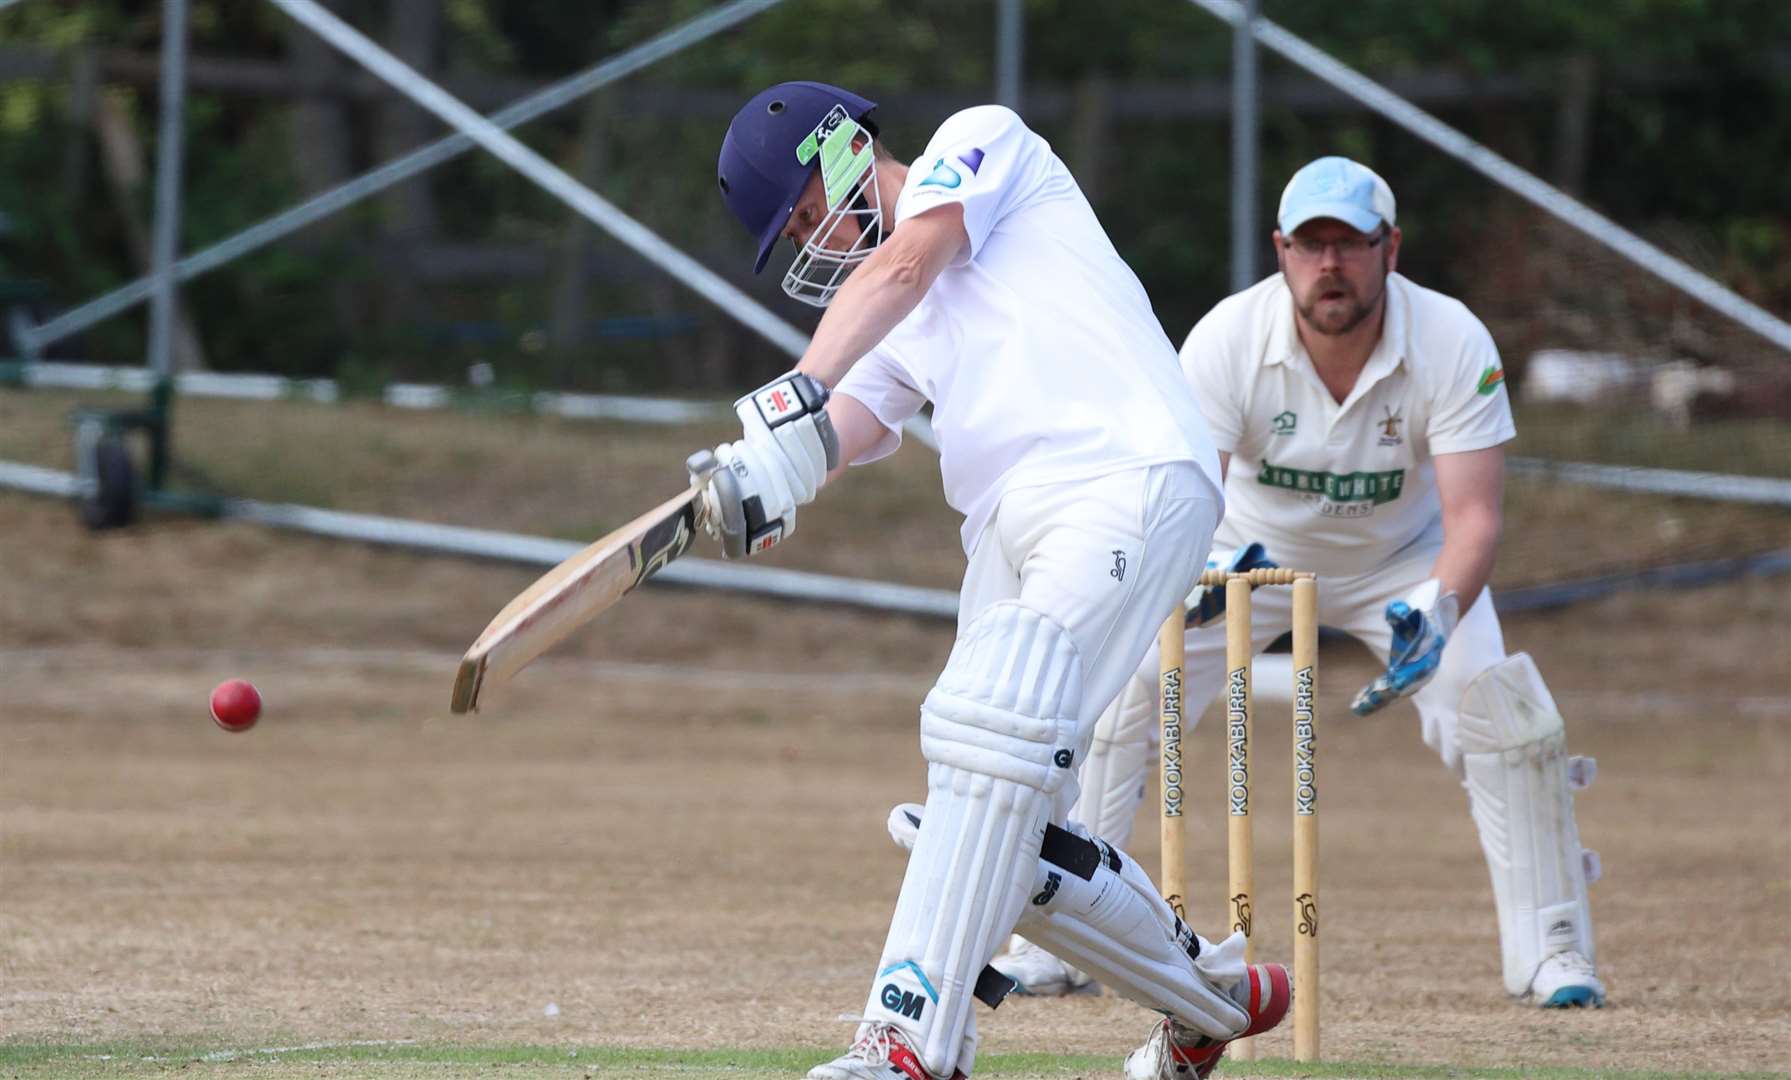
[673,829]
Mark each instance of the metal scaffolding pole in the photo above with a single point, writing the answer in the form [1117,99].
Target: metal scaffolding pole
[1244,138]
[1551,199]
[166,237]
[288,221]
[552,179]
[1010,46]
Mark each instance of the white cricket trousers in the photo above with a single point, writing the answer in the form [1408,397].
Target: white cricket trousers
[1107,559]
[1066,585]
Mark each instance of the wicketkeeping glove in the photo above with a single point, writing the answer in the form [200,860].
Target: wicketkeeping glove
[1205,605]
[1422,624]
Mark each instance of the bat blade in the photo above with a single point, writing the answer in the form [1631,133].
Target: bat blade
[575,592]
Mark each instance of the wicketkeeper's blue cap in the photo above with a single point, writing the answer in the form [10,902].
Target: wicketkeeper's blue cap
[1336,187]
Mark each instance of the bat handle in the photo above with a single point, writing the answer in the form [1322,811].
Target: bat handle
[702,465]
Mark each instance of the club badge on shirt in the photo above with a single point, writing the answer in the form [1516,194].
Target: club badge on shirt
[1390,428]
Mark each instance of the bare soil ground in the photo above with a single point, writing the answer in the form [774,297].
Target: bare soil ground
[673,829]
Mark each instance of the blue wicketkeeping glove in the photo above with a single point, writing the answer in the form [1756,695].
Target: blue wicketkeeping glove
[1421,626]
[1204,604]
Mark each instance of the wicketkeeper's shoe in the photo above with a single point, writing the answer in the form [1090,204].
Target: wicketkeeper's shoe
[1567,980]
[881,1053]
[1040,974]
[1174,1052]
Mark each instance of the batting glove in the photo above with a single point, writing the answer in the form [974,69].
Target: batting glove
[787,447]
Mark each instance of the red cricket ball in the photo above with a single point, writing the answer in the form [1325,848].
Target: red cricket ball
[235,705]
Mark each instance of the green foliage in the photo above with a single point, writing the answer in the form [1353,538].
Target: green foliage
[1677,149]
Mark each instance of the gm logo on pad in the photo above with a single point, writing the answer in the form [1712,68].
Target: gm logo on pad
[902,1002]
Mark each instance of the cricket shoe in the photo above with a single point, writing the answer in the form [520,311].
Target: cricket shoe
[1175,1052]
[1038,973]
[1567,980]
[881,1053]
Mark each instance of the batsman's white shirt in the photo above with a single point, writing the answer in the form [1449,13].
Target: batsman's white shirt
[1343,488]
[1037,347]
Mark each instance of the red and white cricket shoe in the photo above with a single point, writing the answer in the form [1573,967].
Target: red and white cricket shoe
[1174,1052]
[881,1053]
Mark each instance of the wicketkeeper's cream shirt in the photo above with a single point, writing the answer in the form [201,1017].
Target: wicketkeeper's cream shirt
[1342,488]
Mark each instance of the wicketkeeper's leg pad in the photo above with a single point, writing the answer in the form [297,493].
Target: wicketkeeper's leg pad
[1520,783]
[999,732]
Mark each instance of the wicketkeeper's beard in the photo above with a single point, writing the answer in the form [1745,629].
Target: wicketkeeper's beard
[1330,324]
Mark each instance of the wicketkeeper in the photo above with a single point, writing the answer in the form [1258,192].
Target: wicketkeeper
[978,279]
[1361,420]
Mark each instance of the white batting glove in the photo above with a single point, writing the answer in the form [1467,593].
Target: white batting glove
[782,459]
[786,421]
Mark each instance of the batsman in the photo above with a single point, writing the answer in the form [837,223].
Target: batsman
[977,278]
[1360,420]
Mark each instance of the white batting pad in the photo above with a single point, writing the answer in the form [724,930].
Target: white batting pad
[1093,906]
[1516,771]
[1005,705]
[1115,772]
[1098,910]
[999,732]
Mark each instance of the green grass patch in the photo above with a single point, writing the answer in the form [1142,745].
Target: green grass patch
[404,1059]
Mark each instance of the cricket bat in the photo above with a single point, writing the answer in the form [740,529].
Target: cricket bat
[577,591]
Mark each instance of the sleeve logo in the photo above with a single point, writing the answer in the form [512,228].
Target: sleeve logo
[943,175]
[1490,380]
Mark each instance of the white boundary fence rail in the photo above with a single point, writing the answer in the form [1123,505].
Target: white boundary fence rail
[428,538]
[1719,487]
[542,552]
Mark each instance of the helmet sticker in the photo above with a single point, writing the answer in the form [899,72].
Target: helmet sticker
[809,147]
[842,166]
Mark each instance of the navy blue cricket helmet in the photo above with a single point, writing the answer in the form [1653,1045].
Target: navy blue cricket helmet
[768,154]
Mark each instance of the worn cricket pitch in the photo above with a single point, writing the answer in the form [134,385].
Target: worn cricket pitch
[672,830]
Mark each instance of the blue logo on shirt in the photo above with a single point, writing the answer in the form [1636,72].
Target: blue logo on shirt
[973,160]
[943,175]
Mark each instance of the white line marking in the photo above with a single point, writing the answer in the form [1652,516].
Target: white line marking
[232,1055]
